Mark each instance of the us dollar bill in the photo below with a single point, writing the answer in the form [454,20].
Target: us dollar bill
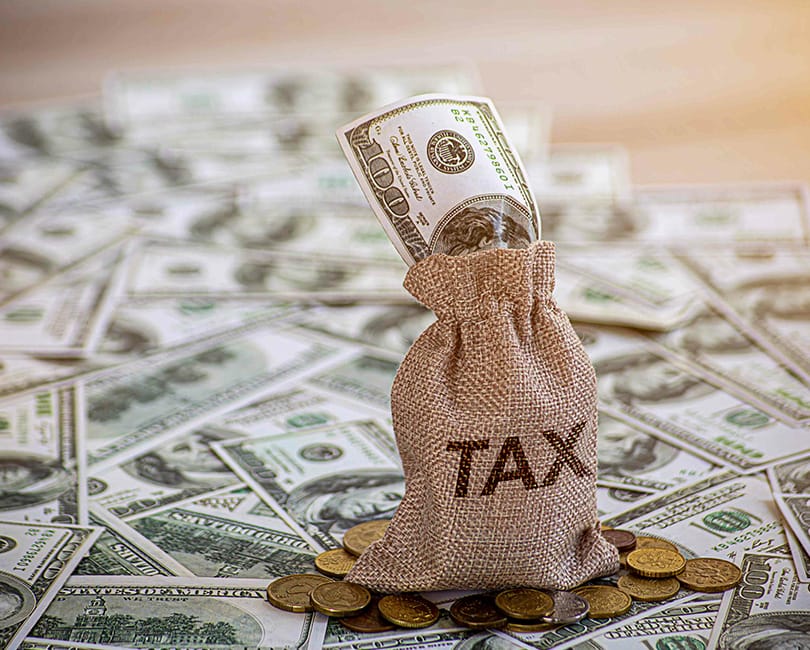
[790,483]
[117,553]
[144,325]
[169,471]
[43,475]
[631,458]
[35,561]
[391,327]
[668,399]
[179,612]
[226,534]
[21,373]
[769,608]
[65,315]
[132,406]
[718,347]
[366,377]
[441,176]
[343,474]
[722,214]
[181,270]
[36,248]
[683,626]
[765,289]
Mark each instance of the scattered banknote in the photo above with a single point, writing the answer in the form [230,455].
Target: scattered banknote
[456,186]
[226,534]
[343,474]
[143,611]
[769,608]
[717,346]
[43,457]
[670,401]
[35,561]
[181,269]
[131,406]
[790,483]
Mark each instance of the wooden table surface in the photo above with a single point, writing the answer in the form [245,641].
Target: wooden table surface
[704,91]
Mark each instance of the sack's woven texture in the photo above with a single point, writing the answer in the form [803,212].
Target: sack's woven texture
[494,409]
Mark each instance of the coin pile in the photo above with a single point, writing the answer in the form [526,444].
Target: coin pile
[653,570]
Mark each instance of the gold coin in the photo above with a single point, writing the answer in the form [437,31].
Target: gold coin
[291,593]
[335,563]
[649,590]
[644,541]
[524,604]
[477,612]
[710,575]
[369,621]
[655,562]
[529,626]
[358,538]
[604,601]
[339,598]
[409,611]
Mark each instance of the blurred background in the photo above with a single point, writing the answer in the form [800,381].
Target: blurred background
[696,91]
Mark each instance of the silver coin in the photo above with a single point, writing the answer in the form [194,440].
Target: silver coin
[568,607]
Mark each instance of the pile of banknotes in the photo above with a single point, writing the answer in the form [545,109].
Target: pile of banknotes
[200,321]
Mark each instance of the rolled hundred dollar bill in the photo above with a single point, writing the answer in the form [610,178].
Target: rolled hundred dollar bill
[441,176]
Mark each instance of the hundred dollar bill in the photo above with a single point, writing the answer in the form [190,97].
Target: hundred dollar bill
[591,300]
[35,561]
[649,275]
[391,327]
[367,377]
[790,483]
[171,470]
[144,325]
[117,553]
[611,500]
[131,407]
[441,176]
[183,269]
[577,172]
[226,534]
[322,481]
[21,372]
[770,608]
[718,347]
[44,243]
[765,289]
[23,187]
[65,315]
[667,398]
[722,214]
[683,627]
[175,612]
[42,457]
[633,459]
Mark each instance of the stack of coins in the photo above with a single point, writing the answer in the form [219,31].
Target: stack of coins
[653,570]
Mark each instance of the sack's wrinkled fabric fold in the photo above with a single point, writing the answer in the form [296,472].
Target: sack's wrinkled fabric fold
[494,410]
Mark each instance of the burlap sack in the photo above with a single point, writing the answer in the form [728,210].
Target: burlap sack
[494,410]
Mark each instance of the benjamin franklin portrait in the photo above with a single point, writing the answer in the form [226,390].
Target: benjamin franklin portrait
[772,631]
[184,463]
[335,503]
[16,600]
[27,480]
[786,297]
[712,333]
[481,227]
[625,452]
[646,378]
